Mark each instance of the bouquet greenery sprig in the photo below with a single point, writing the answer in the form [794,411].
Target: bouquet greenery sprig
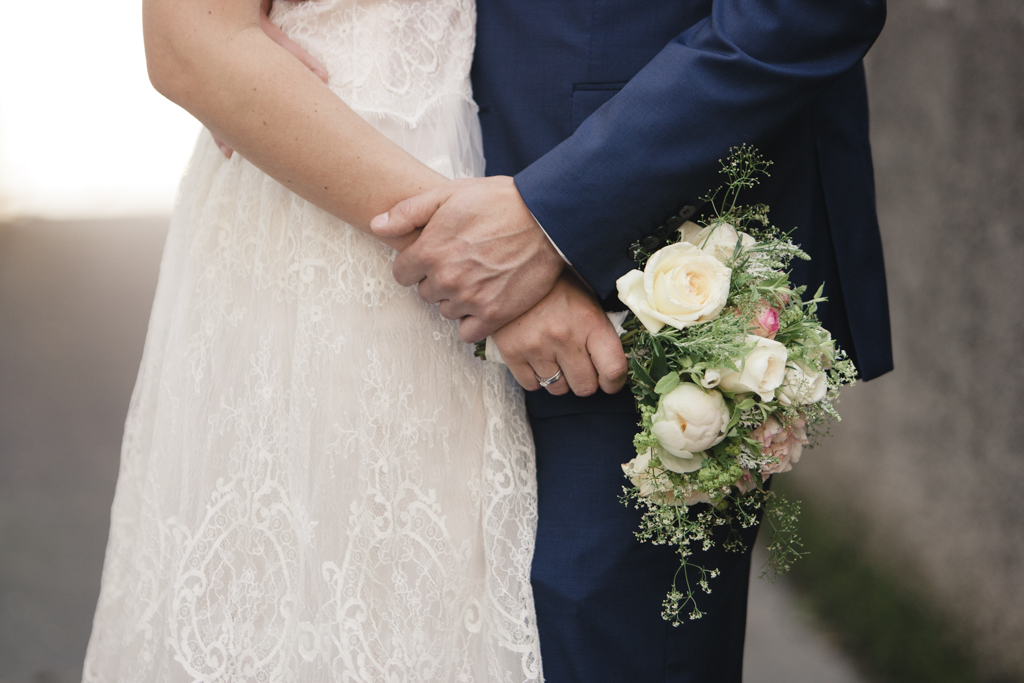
[732,375]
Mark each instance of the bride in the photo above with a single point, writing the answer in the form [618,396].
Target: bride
[318,481]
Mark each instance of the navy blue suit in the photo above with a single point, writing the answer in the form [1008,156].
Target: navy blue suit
[612,115]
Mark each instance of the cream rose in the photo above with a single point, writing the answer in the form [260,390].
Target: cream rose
[802,385]
[653,484]
[761,372]
[689,420]
[691,462]
[636,470]
[826,348]
[688,232]
[719,240]
[696,497]
[681,286]
[651,481]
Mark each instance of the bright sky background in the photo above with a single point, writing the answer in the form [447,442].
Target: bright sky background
[82,132]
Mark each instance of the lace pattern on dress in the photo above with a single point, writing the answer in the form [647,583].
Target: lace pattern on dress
[319,482]
[388,56]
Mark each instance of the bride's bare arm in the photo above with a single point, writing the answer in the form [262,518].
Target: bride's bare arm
[212,58]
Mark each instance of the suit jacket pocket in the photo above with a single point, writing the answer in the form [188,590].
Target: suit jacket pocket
[588,98]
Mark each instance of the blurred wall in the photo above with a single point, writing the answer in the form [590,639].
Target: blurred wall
[82,132]
[929,460]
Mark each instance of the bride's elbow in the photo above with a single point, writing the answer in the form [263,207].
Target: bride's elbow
[163,35]
[186,44]
[166,77]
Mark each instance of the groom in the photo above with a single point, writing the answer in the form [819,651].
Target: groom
[603,119]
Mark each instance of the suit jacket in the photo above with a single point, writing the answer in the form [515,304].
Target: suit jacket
[612,115]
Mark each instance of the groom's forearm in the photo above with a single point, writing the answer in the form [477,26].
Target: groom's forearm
[212,58]
[738,76]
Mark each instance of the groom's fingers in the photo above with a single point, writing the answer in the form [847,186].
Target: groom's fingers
[523,373]
[473,329]
[545,370]
[453,311]
[410,214]
[568,332]
[578,370]
[609,360]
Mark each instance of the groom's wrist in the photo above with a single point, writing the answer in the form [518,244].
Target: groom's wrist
[560,253]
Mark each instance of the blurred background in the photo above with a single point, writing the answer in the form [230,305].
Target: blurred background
[913,509]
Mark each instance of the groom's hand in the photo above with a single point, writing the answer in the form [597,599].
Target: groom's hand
[566,331]
[481,256]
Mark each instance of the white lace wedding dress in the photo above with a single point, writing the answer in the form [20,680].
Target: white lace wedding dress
[318,481]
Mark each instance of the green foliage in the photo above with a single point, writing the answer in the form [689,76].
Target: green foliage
[718,473]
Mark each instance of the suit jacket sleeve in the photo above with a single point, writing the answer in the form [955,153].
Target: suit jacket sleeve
[735,77]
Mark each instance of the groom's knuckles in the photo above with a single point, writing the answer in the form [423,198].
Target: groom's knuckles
[491,312]
[579,368]
[445,278]
[406,268]
[583,385]
[611,375]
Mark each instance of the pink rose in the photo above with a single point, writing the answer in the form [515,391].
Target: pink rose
[745,484]
[783,445]
[765,323]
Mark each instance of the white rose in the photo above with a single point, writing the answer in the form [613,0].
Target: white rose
[688,232]
[681,286]
[651,481]
[689,420]
[635,470]
[802,386]
[696,497]
[689,462]
[719,240]
[653,484]
[827,348]
[762,371]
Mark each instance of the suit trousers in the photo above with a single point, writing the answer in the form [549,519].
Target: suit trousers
[599,591]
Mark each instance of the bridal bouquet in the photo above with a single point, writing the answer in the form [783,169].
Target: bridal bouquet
[732,374]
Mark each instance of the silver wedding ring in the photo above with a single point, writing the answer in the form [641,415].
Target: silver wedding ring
[550,380]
